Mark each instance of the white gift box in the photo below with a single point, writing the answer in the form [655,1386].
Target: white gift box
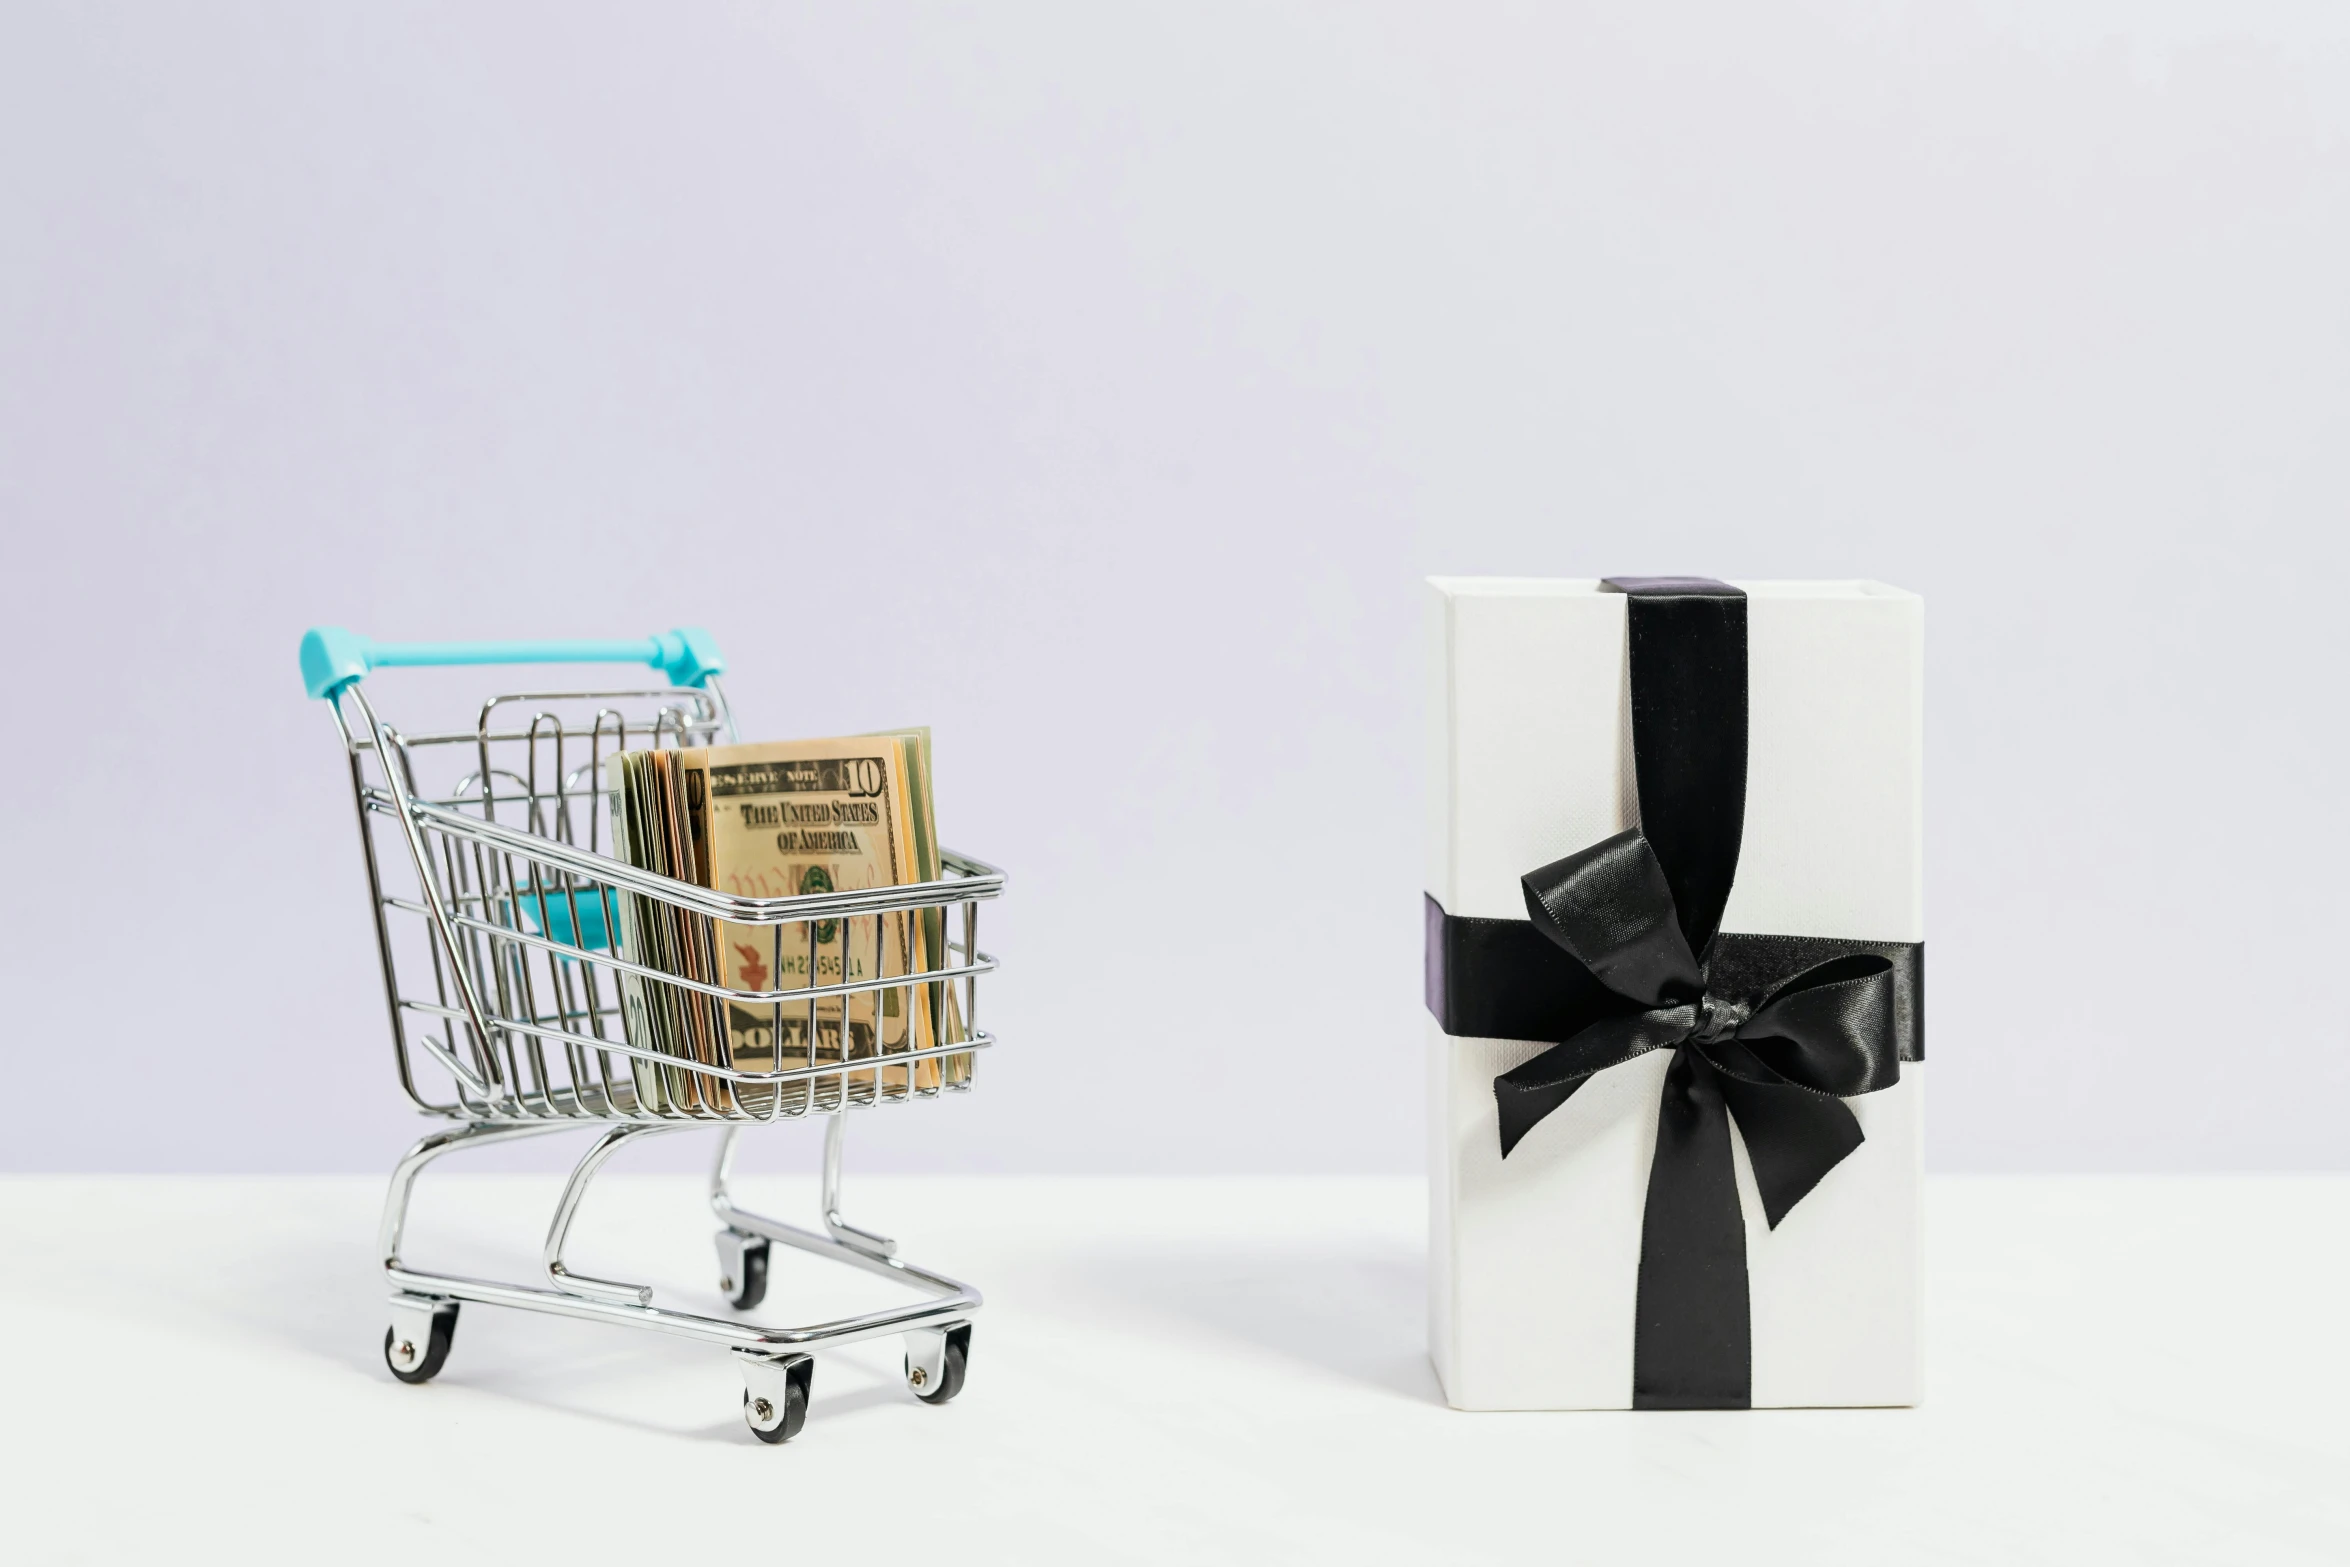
[1534,1261]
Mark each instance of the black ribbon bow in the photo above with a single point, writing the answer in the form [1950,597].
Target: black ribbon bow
[1786,1065]
[1760,1032]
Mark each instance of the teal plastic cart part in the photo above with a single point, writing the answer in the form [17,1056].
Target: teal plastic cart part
[333,658]
[575,918]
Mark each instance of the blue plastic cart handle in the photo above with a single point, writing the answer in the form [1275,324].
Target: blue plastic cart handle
[333,658]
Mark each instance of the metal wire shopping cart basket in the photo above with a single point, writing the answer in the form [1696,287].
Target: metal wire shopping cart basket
[496,911]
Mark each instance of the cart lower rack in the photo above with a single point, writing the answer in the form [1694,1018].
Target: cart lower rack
[500,922]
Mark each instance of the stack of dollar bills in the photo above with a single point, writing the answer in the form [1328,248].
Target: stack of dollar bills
[783,819]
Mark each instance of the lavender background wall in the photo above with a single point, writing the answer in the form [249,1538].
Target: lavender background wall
[1096,382]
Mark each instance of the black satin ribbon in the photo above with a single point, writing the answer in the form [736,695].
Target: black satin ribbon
[1502,979]
[1622,955]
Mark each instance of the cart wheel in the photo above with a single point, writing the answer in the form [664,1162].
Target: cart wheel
[773,1421]
[411,1362]
[941,1386]
[743,1279]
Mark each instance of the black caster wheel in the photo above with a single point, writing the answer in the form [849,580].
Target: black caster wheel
[948,1382]
[775,1412]
[414,1362]
[743,1280]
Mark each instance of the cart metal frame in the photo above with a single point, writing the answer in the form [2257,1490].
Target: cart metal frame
[523,1026]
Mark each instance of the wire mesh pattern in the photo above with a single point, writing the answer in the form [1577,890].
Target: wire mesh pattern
[499,915]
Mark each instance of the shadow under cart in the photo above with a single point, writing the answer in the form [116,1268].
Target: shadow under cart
[777,1363]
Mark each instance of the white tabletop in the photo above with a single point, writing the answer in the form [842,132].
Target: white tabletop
[2148,1369]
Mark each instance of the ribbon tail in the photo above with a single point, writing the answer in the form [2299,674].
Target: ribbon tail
[1526,1093]
[1794,1137]
[1692,1342]
[1521,1107]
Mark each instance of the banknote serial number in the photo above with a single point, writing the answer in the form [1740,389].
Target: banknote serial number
[863,777]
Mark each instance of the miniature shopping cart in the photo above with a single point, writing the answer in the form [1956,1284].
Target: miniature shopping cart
[500,920]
